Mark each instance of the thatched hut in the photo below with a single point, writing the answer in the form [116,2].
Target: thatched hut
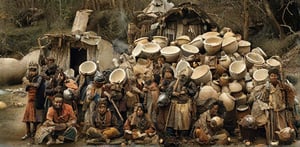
[185,19]
[69,51]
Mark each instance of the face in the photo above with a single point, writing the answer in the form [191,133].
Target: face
[57,102]
[214,110]
[32,72]
[273,78]
[168,74]
[183,78]
[102,109]
[140,112]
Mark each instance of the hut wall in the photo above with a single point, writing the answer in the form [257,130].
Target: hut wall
[61,56]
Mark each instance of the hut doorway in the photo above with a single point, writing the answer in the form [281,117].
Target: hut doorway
[78,55]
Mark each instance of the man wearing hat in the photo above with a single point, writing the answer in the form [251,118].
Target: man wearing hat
[35,94]
[94,91]
[60,120]
[139,127]
[182,109]
[104,124]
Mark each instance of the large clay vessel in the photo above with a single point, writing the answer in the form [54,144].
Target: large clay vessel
[13,70]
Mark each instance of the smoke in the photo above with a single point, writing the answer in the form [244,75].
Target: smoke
[120,46]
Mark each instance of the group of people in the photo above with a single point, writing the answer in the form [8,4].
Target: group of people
[152,106]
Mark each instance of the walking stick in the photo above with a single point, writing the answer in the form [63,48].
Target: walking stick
[114,104]
[168,116]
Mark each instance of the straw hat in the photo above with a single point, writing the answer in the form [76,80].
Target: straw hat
[87,68]
[90,38]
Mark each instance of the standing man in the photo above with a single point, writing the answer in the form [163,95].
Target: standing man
[281,102]
[35,94]
[182,110]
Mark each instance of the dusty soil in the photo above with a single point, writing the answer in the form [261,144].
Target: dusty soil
[12,128]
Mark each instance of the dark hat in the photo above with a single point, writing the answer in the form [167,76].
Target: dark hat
[274,71]
[140,105]
[102,101]
[99,78]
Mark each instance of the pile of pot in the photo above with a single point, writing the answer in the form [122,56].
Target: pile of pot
[222,64]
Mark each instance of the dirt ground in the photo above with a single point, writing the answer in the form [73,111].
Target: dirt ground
[12,128]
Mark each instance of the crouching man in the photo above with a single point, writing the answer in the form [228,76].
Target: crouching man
[59,125]
[139,127]
[208,129]
[104,125]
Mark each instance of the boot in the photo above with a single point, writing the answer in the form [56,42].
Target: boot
[28,134]
[50,140]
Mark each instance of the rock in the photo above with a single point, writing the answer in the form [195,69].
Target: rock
[2,105]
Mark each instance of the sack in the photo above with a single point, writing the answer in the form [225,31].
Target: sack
[260,113]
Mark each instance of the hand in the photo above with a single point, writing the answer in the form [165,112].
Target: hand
[25,81]
[175,93]
[128,131]
[182,92]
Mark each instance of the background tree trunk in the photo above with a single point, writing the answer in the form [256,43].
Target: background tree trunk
[246,19]
[273,20]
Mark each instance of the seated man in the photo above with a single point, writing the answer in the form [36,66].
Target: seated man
[104,125]
[59,123]
[208,128]
[139,127]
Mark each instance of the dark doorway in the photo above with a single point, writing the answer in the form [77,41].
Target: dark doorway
[78,55]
